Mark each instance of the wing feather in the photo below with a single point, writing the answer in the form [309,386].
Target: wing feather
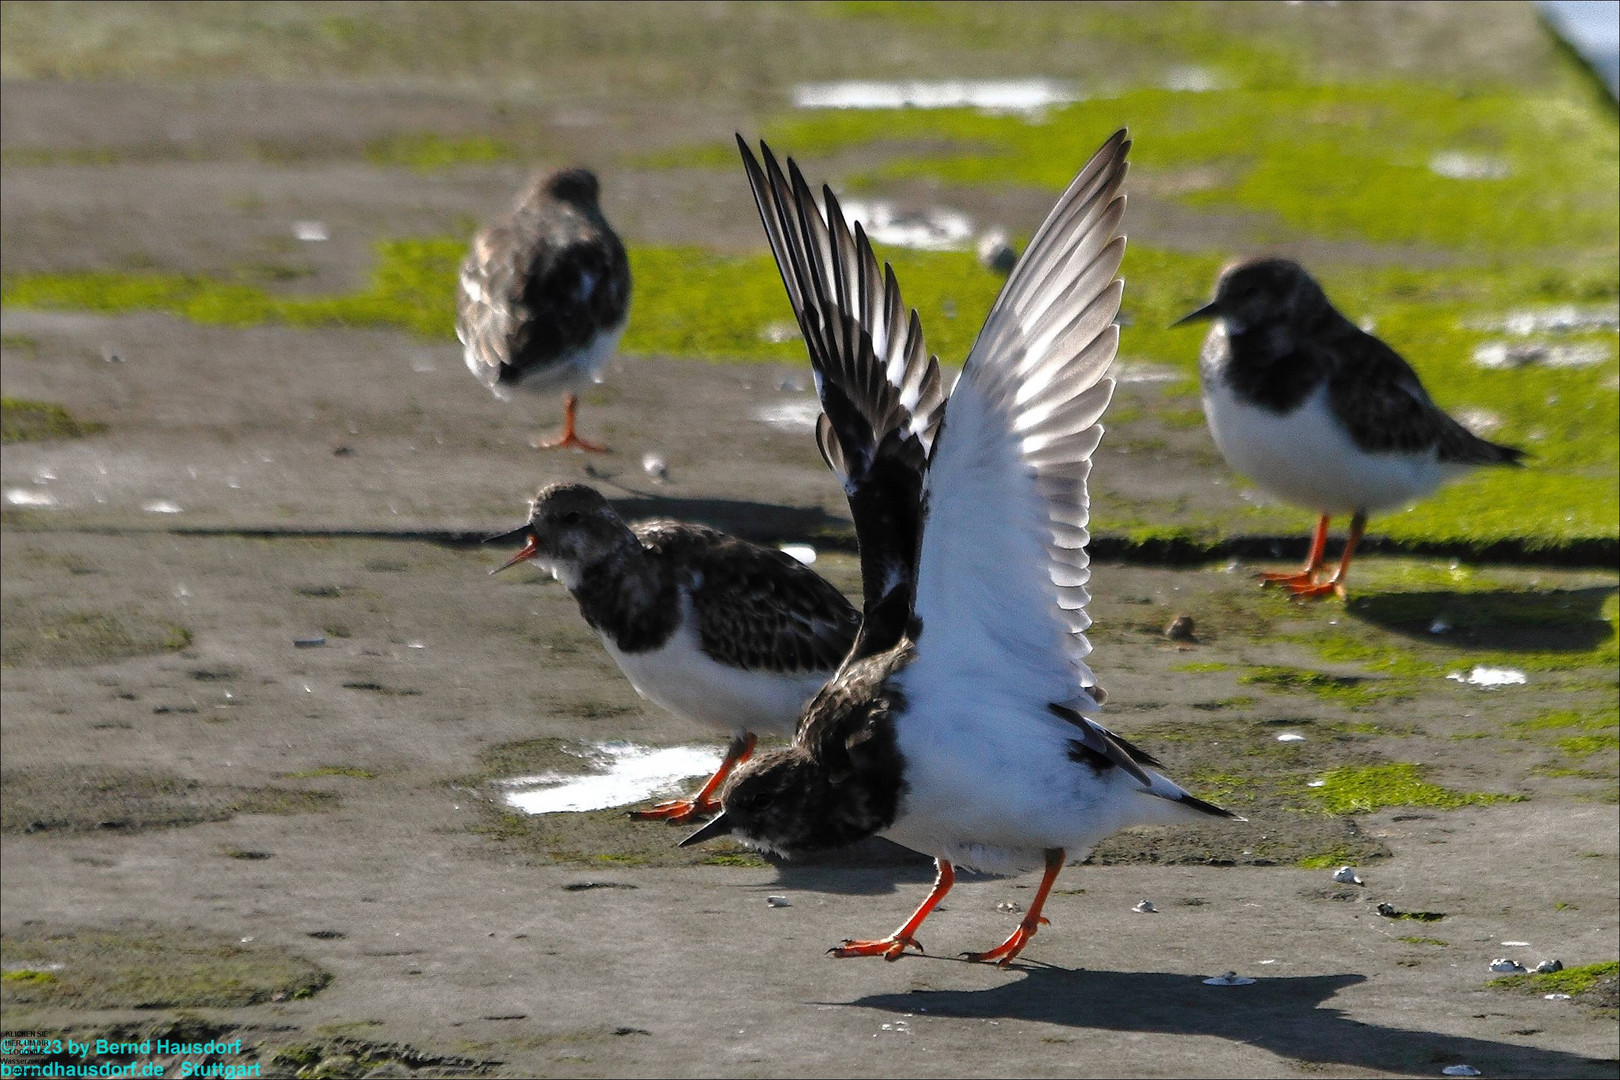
[881,391]
[1003,566]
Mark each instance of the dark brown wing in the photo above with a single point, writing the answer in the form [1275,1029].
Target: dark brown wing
[538,288]
[757,608]
[1382,403]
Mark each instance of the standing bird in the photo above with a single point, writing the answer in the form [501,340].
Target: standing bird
[715,629]
[959,725]
[1319,412]
[545,293]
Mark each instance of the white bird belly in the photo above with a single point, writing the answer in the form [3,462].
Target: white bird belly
[993,789]
[1307,458]
[680,677]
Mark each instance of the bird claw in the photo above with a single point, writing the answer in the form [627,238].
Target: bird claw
[890,948]
[1316,591]
[568,441]
[1289,579]
[1004,953]
[676,811]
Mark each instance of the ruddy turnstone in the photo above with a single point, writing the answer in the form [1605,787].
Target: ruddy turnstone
[712,628]
[544,296]
[1319,412]
[960,724]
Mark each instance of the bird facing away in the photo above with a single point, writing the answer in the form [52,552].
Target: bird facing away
[545,293]
[960,724]
[715,629]
[1319,412]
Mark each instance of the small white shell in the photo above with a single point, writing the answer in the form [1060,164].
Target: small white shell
[1346,875]
[1547,967]
[1145,908]
[1505,966]
[1011,907]
[778,901]
[1459,1070]
[1290,736]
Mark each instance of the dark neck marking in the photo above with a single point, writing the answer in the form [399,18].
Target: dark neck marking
[629,598]
[1267,366]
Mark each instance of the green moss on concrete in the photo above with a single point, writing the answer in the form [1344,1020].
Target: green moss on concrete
[28,421]
[148,969]
[1348,690]
[353,771]
[430,152]
[1363,789]
[1413,940]
[1574,981]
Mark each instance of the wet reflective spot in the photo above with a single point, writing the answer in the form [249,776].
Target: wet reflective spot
[794,416]
[629,773]
[987,95]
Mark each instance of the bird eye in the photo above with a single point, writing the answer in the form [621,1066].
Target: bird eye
[571,518]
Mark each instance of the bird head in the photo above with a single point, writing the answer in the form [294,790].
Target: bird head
[1258,292]
[570,526]
[576,186]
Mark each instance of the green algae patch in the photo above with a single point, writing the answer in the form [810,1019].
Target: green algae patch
[65,801]
[1414,940]
[38,637]
[1349,690]
[429,152]
[1592,984]
[1364,789]
[352,771]
[151,969]
[29,421]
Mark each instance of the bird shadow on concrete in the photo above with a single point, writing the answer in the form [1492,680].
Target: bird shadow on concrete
[873,867]
[1498,620]
[1288,1016]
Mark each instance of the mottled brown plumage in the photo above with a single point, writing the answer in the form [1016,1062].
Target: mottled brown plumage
[545,291]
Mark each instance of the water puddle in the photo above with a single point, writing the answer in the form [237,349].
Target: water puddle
[795,416]
[1016,96]
[1564,319]
[1504,355]
[24,497]
[628,774]
[1455,165]
[934,229]
[1490,677]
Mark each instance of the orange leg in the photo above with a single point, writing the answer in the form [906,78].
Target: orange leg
[1313,562]
[894,946]
[704,802]
[1335,584]
[569,439]
[1003,954]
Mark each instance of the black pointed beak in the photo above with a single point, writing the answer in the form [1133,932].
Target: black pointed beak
[1208,311]
[718,826]
[524,533]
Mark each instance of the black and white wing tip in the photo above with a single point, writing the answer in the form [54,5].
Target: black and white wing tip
[881,391]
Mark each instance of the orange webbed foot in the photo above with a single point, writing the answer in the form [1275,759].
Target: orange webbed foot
[1290,579]
[568,441]
[1316,591]
[890,948]
[1004,953]
[677,811]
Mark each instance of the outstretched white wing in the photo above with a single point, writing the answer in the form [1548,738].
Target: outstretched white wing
[1001,582]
